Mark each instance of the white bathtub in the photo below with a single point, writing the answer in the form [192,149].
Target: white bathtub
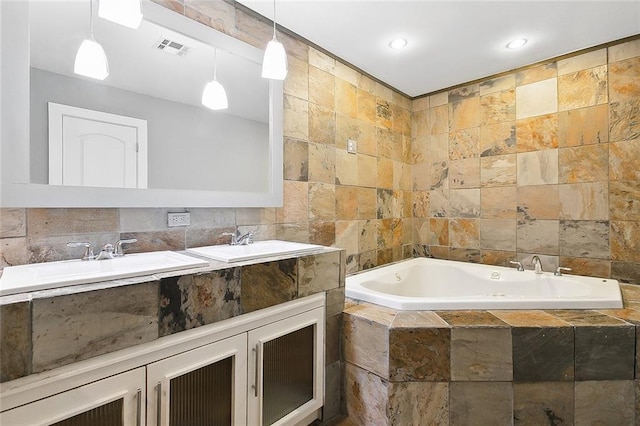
[432,284]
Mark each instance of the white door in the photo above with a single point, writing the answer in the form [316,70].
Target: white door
[92,148]
[206,385]
[117,400]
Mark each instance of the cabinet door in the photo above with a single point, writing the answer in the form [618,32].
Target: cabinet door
[115,401]
[286,364]
[202,387]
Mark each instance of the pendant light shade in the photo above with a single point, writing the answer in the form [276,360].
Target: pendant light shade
[274,63]
[214,96]
[91,61]
[124,12]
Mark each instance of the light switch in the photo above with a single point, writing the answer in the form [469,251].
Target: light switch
[352,146]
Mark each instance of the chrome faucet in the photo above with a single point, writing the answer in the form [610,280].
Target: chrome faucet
[108,250]
[537,264]
[239,239]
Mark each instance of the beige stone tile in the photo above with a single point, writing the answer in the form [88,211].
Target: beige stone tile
[13,251]
[464,173]
[439,119]
[537,133]
[584,201]
[498,107]
[367,203]
[439,99]
[624,197]
[439,202]
[256,216]
[50,222]
[584,238]
[366,107]
[320,272]
[464,233]
[438,175]
[464,144]
[589,163]
[623,160]
[367,235]
[498,170]
[481,354]
[366,344]
[296,160]
[13,223]
[481,403]
[322,164]
[438,147]
[420,124]
[346,202]
[346,168]
[297,82]
[253,31]
[625,241]
[383,114]
[367,167]
[582,62]
[605,402]
[385,173]
[127,316]
[536,73]
[624,79]
[537,98]
[420,204]
[438,232]
[498,203]
[622,51]
[497,257]
[322,201]
[418,403]
[321,60]
[623,121]
[498,84]
[420,176]
[382,91]
[367,143]
[347,235]
[583,126]
[537,168]
[348,128]
[402,176]
[498,234]
[346,98]
[296,203]
[347,73]
[583,88]
[322,125]
[15,335]
[538,202]
[49,249]
[529,318]
[465,92]
[538,236]
[465,114]
[365,396]
[420,354]
[219,16]
[401,122]
[464,202]
[297,232]
[498,139]
[384,139]
[587,267]
[296,118]
[420,104]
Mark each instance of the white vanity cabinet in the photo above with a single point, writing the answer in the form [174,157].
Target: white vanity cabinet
[114,401]
[262,368]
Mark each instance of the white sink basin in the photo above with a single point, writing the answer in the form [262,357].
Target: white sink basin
[42,276]
[257,250]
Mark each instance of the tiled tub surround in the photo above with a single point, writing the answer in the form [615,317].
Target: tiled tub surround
[542,161]
[43,330]
[492,367]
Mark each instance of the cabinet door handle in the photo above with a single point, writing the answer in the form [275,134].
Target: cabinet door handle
[159,404]
[139,407]
[256,379]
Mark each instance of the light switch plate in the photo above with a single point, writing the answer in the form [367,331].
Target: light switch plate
[179,219]
[352,146]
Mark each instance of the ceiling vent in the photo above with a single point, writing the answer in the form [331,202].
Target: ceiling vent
[172,47]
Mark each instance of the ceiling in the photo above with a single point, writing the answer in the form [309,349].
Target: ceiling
[450,42]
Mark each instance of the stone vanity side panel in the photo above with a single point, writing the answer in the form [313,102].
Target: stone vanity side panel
[74,327]
[268,284]
[15,341]
[190,301]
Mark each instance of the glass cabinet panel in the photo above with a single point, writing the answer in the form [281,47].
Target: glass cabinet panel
[105,415]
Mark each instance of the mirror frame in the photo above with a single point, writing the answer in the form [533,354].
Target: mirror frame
[17,191]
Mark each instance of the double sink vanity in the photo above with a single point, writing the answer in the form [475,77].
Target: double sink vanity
[237,334]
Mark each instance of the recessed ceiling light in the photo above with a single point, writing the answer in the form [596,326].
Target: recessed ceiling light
[517,43]
[398,43]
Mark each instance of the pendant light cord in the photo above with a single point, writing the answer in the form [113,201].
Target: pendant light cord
[274,19]
[91,19]
[215,63]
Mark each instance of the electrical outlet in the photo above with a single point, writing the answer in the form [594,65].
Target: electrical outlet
[352,146]
[179,219]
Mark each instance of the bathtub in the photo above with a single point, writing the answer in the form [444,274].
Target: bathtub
[433,284]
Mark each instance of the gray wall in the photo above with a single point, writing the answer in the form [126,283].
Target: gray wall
[188,147]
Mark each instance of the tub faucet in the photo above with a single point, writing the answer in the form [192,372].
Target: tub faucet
[239,239]
[537,265]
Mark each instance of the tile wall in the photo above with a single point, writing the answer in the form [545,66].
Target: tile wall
[540,161]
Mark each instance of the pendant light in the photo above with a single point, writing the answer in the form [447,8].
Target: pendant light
[124,12]
[91,61]
[214,96]
[274,63]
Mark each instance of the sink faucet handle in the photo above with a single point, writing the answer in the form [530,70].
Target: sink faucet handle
[88,249]
[119,249]
[520,267]
[559,269]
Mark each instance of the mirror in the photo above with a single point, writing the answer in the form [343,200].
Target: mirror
[195,157]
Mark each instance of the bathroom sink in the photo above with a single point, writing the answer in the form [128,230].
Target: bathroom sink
[257,250]
[42,276]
